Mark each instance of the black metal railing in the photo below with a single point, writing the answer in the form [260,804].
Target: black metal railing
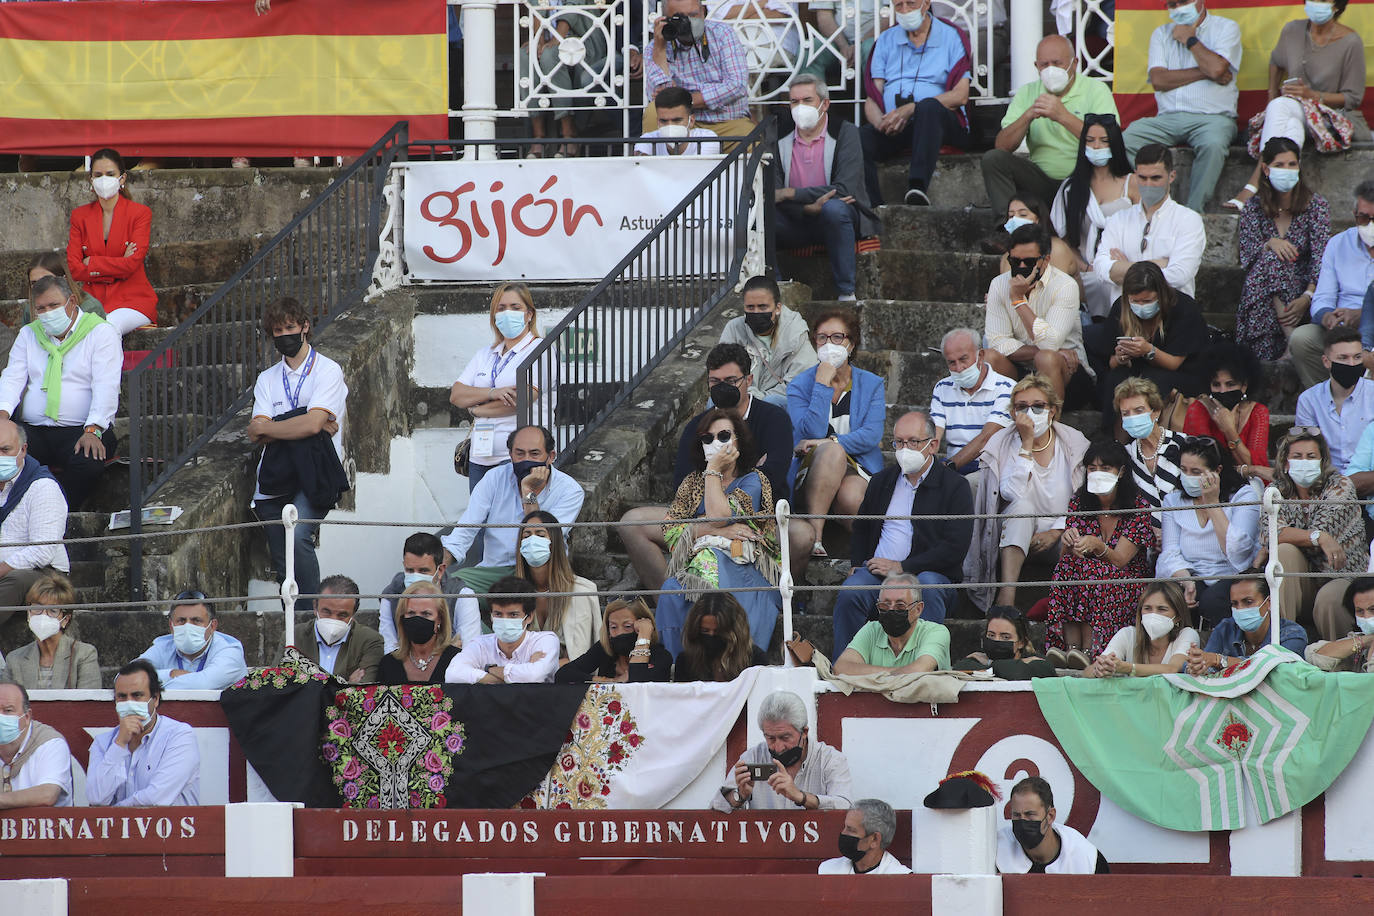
[185,390]
[591,361]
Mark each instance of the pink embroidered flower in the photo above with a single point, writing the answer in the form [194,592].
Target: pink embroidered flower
[627,727]
[374,802]
[369,704]
[352,769]
[341,728]
[584,788]
[634,740]
[433,762]
[454,743]
[438,720]
[330,752]
[350,790]
[414,799]
[436,783]
[583,721]
[406,700]
[567,762]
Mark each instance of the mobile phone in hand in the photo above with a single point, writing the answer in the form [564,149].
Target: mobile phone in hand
[759,772]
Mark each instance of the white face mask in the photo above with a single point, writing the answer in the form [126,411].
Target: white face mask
[42,626]
[806,116]
[1097,156]
[507,629]
[331,631]
[968,376]
[911,460]
[106,186]
[1305,471]
[1100,482]
[1156,625]
[712,449]
[673,131]
[1366,625]
[1054,79]
[55,322]
[1040,421]
[1192,485]
[189,638]
[833,354]
[911,20]
[1366,233]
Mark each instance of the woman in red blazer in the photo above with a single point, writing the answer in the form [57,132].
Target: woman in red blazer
[107,244]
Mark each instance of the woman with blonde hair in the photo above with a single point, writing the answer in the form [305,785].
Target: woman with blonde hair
[716,645]
[487,386]
[627,651]
[424,638]
[1157,643]
[542,558]
[53,660]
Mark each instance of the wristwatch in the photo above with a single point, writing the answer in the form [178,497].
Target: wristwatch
[1315,537]
[1192,40]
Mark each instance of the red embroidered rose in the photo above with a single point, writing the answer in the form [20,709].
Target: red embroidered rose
[1234,733]
[584,788]
[563,806]
[607,720]
[615,753]
[634,740]
[567,762]
[627,727]
[391,740]
[605,790]
[527,802]
[613,706]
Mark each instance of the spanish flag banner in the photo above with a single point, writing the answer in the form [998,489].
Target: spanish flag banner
[209,78]
[1260,22]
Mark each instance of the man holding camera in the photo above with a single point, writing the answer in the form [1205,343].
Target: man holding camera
[706,59]
[787,769]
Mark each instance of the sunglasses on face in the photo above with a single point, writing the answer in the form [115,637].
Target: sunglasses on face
[1022,262]
[191,594]
[723,436]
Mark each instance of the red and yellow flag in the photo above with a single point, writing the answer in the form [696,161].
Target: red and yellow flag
[208,77]
[1260,22]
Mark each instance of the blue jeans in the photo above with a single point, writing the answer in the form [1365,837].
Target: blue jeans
[477,471]
[836,226]
[932,126]
[852,608]
[307,566]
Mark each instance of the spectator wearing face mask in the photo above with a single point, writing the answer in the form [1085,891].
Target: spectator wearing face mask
[898,641]
[422,560]
[806,774]
[512,653]
[1034,842]
[675,122]
[1229,415]
[869,827]
[776,338]
[1006,649]
[543,561]
[1343,406]
[149,759]
[709,62]
[627,651]
[1325,536]
[1153,449]
[54,660]
[1158,641]
[1024,209]
[969,406]
[334,640]
[424,634]
[1352,652]
[1246,631]
[195,655]
[716,645]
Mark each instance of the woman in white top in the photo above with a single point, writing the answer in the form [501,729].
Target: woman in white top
[543,560]
[1163,619]
[1214,544]
[486,389]
[1099,186]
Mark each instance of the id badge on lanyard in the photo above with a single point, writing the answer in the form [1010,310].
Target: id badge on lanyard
[484,430]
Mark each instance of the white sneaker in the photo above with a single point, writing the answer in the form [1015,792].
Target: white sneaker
[848,297]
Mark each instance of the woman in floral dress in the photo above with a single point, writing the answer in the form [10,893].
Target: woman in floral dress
[1086,617]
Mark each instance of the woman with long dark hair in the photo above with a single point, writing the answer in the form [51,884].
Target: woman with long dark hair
[1230,412]
[542,558]
[1099,186]
[1006,650]
[1027,208]
[716,645]
[1158,641]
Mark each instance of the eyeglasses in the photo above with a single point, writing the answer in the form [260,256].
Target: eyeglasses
[191,594]
[886,606]
[911,443]
[1362,219]
[724,435]
[733,381]
[1304,431]
[823,339]
[1038,405]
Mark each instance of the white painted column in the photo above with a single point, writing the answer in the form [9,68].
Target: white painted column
[479,75]
[1273,849]
[499,895]
[1027,28]
[966,895]
[34,896]
[954,842]
[259,840]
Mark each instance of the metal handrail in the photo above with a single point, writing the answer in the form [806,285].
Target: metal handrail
[664,288]
[202,374]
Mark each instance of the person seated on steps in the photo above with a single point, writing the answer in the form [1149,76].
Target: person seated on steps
[1342,406]
[970,405]
[1158,641]
[716,645]
[676,122]
[1153,449]
[897,640]
[1006,649]
[422,560]
[34,511]
[1024,209]
[775,337]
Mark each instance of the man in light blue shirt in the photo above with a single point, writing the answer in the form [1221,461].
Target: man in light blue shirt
[149,759]
[504,496]
[1344,406]
[195,655]
[1346,274]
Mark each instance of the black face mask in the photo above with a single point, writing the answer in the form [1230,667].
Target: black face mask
[894,623]
[289,345]
[1346,376]
[623,643]
[419,630]
[849,847]
[522,469]
[788,758]
[1027,833]
[759,322]
[999,650]
[724,395]
[1229,399]
[714,644]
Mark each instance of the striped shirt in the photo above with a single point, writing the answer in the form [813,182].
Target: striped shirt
[1219,35]
[963,414]
[1165,480]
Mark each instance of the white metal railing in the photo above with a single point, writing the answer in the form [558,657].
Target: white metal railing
[1091,25]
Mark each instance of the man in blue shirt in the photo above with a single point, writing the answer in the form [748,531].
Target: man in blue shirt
[505,495]
[150,759]
[920,68]
[1342,407]
[195,655]
[1346,274]
[1246,631]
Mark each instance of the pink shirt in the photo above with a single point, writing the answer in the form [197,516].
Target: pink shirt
[808,160]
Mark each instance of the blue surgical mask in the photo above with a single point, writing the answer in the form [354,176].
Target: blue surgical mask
[9,467]
[911,20]
[411,578]
[9,728]
[1192,485]
[54,322]
[1249,619]
[510,323]
[1145,310]
[1366,625]
[1098,156]
[1318,13]
[1283,180]
[189,638]
[535,550]
[508,629]
[1138,426]
[1184,15]
[1015,222]
[133,708]
[968,376]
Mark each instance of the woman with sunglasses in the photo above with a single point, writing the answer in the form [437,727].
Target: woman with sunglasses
[1229,415]
[1099,187]
[1006,649]
[1153,331]
[838,412]
[1158,641]
[1325,535]
[727,554]
[1207,546]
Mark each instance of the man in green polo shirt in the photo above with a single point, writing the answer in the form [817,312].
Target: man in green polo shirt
[899,641]
[1048,115]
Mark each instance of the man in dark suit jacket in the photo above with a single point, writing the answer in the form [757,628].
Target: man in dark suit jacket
[337,642]
[932,549]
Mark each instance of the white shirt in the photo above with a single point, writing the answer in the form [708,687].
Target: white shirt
[40,516]
[470,665]
[1057,325]
[490,368]
[90,379]
[163,770]
[1123,643]
[317,386]
[1188,545]
[663,149]
[842,866]
[50,765]
[1221,36]
[328,653]
[1175,233]
[963,414]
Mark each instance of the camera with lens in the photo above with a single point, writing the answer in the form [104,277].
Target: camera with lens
[677,29]
[904,100]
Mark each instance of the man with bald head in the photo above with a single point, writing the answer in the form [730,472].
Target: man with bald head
[1048,114]
[932,549]
[32,508]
